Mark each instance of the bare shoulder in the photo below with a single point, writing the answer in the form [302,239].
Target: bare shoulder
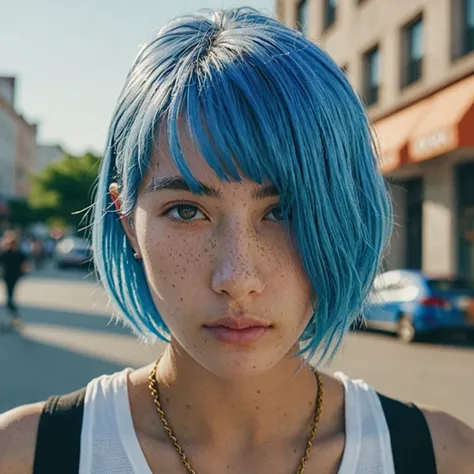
[18,429]
[453,442]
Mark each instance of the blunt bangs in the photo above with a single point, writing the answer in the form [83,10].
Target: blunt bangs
[259,100]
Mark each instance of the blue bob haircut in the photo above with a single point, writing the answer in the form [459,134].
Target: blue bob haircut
[260,101]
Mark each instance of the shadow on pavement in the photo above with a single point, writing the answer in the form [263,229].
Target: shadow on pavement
[447,339]
[50,271]
[33,371]
[50,316]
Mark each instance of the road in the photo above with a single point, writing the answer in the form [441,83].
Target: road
[69,338]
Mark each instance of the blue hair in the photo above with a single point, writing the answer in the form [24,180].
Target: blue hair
[260,99]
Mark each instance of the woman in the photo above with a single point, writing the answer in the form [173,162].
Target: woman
[14,265]
[240,215]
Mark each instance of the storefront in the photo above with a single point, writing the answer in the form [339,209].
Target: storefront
[427,155]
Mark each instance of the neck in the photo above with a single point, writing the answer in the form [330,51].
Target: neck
[250,411]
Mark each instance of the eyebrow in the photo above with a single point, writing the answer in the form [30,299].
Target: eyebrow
[178,183]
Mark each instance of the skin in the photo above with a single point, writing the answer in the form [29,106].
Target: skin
[234,408]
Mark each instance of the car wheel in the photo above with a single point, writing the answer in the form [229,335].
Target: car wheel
[405,329]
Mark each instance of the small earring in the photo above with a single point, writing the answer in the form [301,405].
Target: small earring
[136,256]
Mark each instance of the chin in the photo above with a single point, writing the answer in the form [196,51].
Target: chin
[231,363]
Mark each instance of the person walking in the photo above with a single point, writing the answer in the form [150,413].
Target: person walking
[14,264]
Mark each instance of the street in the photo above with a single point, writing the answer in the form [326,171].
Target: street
[69,339]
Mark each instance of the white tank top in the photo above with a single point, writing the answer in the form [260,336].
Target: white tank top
[109,443]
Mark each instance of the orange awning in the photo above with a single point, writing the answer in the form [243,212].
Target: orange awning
[448,123]
[392,134]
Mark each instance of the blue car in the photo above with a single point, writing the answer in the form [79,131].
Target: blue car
[413,304]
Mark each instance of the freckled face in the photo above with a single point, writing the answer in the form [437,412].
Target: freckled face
[226,254]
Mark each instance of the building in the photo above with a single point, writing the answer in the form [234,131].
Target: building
[17,144]
[47,154]
[7,139]
[412,61]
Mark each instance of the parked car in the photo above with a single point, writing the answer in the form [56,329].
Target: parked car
[413,304]
[72,252]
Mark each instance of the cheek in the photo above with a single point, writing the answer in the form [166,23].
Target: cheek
[173,260]
[288,285]
[287,266]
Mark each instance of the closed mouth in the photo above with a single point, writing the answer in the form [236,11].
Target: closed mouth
[238,323]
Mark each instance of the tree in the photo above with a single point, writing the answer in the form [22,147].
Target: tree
[64,189]
[20,212]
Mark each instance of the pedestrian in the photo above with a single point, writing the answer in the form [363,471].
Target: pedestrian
[241,216]
[14,265]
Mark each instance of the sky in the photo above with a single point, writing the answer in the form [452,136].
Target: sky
[71,58]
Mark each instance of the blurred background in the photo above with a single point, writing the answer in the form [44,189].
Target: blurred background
[62,65]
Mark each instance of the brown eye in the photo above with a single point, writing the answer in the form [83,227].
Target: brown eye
[184,212]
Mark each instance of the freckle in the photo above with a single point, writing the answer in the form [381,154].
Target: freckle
[173,285]
[295,450]
[258,391]
[258,408]
[167,400]
[188,407]
[181,298]
[286,414]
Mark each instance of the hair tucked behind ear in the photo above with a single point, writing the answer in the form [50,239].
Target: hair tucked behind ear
[258,97]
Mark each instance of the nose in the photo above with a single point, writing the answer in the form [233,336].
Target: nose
[237,273]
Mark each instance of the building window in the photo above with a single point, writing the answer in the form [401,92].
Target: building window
[372,76]
[462,27]
[413,50]
[303,16]
[330,7]
[468,26]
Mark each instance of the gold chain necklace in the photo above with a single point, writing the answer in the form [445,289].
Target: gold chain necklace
[153,385]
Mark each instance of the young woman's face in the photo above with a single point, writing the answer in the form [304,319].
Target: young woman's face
[221,268]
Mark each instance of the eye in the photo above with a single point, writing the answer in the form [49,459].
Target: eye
[275,214]
[184,213]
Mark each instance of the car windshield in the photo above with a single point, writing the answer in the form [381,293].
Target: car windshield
[450,284]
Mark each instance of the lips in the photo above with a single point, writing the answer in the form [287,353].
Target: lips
[238,323]
[239,330]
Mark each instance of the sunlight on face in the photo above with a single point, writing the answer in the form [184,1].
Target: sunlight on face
[221,267]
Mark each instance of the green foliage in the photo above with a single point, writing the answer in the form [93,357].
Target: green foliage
[63,191]
[20,212]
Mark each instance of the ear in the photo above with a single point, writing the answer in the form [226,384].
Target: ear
[125,220]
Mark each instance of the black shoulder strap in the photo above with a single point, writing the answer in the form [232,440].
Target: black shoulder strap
[412,446]
[58,442]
